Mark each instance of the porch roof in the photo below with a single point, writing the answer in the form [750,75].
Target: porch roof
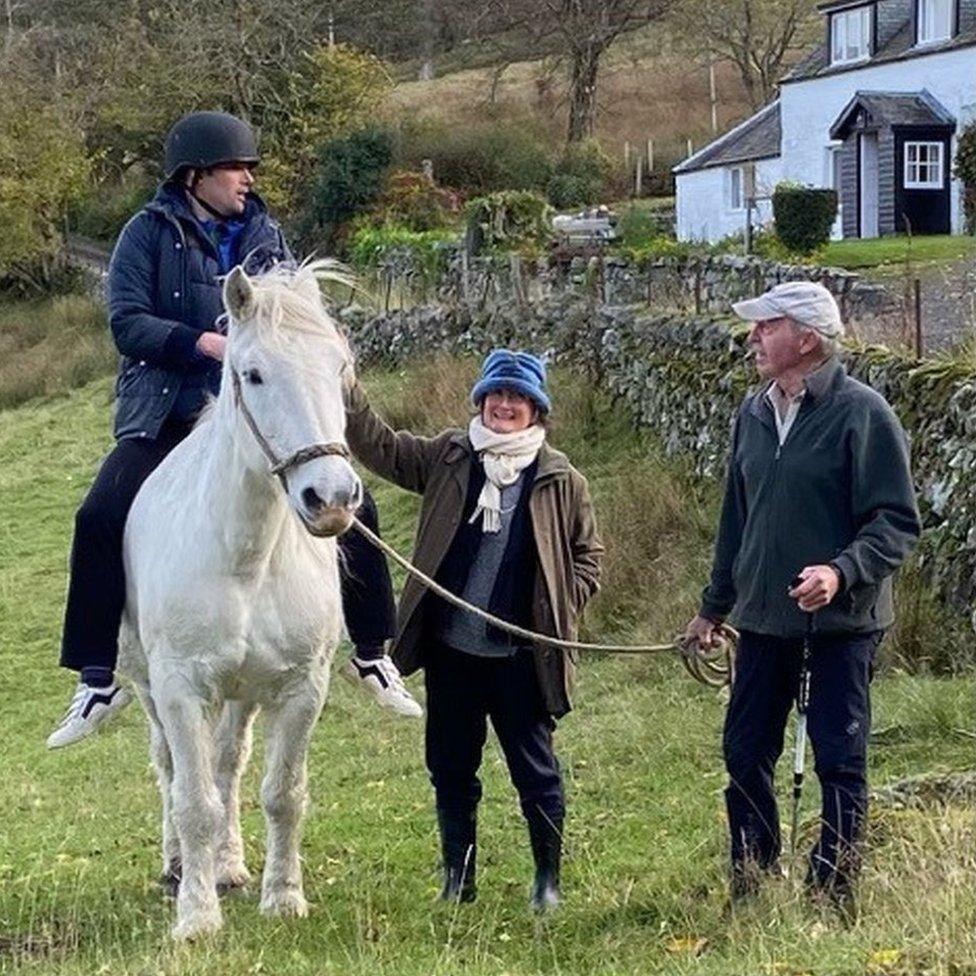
[885,109]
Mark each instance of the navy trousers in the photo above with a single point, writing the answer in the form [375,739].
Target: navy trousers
[96,586]
[463,692]
[838,723]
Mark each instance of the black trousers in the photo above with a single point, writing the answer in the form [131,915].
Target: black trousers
[96,587]
[838,723]
[463,692]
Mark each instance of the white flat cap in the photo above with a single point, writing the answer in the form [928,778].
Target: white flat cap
[805,302]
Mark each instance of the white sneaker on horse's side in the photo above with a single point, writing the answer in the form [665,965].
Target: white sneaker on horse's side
[381,678]
[89,708]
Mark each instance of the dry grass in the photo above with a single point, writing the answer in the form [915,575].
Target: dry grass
[645,91]
[51,346]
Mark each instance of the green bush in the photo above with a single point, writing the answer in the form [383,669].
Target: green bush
[803,216]
[412,201]
[104,210]
[565,191]
[351,175]
[508,219]
[638,226]
[369,246]
[479,159]
[581,175]
[965,170]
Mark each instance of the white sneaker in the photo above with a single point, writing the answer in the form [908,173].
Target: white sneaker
[88,709]
[381,677]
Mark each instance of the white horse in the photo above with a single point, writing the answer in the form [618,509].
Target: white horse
[232,601]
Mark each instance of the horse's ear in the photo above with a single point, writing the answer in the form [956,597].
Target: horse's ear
[239,295]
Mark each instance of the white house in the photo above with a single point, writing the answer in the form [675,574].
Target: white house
[874,112]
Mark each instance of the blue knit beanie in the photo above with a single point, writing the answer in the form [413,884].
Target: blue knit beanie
[523,372]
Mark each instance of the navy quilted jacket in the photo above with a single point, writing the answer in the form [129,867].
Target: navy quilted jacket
[163,291]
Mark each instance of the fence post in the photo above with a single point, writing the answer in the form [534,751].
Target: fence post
[919,348]
[698,294]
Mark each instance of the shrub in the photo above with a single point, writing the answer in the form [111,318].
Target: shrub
[370,246]
[581,175]
[479,159]
[965,170]
[803,216]
[412,201]
[638,226]
[351,175]
[508,219]
[104,210]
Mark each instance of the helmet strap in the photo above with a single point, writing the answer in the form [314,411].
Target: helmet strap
[191,189]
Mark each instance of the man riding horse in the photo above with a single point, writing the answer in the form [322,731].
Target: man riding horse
[166,315]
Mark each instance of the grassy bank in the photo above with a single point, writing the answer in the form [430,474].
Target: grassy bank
[51,345]
[79,831]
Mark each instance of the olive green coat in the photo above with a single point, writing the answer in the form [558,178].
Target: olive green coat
[563,526]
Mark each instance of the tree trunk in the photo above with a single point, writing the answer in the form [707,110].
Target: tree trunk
[582,91]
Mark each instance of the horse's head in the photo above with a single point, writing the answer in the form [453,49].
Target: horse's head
[287,367]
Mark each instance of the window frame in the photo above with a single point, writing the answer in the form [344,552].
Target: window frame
[865,15]
[741,205]
[931,165]
[950,19]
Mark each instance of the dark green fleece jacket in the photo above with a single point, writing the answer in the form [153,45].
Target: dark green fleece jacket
[839,491]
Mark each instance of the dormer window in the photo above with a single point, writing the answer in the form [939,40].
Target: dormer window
[850,35]
[934,21]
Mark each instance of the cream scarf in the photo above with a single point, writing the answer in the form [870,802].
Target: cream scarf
[504,457]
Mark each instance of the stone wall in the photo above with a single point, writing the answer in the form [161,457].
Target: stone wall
[683,376]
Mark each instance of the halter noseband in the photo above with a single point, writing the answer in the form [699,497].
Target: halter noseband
[279,466]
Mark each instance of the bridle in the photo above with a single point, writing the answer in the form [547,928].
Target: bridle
[280,466]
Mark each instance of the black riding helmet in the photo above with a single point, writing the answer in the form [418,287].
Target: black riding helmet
[204,139]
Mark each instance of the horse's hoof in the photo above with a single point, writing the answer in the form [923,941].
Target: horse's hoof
[197,925]
[232,880]
[284,904]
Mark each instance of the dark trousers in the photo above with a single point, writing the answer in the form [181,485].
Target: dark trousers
[463,692]
[96,587]
[838,722]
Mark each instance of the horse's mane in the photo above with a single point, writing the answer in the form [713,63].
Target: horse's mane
[289,300]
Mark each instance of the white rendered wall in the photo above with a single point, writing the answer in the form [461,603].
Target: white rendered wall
[809,108]
[702,209]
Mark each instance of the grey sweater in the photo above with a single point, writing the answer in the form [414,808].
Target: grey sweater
[838,491]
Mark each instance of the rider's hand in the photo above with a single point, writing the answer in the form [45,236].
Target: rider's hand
[212,344]
[817,587]
[701,631]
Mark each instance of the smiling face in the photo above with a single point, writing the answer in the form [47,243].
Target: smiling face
[225,187]
[507,411]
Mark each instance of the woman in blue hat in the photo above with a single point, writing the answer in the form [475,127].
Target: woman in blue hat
[506,523]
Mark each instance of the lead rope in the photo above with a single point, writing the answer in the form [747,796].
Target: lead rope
[714,667]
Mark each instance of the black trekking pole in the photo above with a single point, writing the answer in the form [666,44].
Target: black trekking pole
[800,742]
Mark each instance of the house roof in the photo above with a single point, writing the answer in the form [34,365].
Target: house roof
[885,109]
[756,138]
[899,45]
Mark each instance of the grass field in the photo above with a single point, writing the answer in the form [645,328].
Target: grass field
[892,252]
[645,842]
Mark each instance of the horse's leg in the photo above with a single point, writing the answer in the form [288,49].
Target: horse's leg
[232,747]
[284,793]
[196,806]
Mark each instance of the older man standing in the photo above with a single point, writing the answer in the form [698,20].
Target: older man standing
[819,512]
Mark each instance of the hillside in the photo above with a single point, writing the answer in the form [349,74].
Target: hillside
[641,752]
[646,90]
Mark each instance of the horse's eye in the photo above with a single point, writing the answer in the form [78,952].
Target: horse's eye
[253,376]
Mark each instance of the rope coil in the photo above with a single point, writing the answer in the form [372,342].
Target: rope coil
[714,666]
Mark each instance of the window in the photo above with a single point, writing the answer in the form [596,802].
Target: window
[737,195]
[850,35]
[934,21]
[741,180]
[923,166]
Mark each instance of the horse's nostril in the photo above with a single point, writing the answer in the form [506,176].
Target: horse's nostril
[311,500]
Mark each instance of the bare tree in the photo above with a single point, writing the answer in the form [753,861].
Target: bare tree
[581,31]
[758,36]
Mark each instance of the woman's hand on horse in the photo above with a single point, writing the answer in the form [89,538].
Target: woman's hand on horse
[212,344]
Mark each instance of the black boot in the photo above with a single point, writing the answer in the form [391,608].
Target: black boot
[546,837]
[458,847]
